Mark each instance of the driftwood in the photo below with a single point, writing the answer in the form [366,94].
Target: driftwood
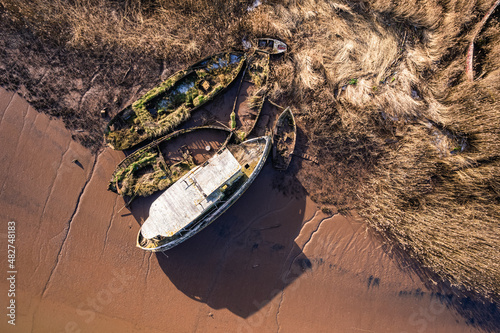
[469,71]
[306,157]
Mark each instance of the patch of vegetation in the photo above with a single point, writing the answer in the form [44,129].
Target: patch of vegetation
[190,96]
[378,152]
[256,101]
[232,123]
[141,103]
[240,136]
[199,100]
[148,174]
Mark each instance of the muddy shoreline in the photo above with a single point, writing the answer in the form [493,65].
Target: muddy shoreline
[272,262]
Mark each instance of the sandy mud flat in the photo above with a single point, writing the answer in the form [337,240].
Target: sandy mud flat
[272,262]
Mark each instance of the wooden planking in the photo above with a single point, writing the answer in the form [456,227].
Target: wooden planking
[190,196]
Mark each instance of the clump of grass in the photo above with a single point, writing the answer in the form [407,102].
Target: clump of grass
[232,123]
[353,81]
[255,101]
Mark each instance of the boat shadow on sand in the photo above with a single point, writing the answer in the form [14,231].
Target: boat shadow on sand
[247,257]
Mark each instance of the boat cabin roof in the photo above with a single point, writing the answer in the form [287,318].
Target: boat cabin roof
[190,196]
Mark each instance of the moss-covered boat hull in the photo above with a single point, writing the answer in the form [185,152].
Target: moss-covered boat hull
[147,170]
[252,92]
[165,107]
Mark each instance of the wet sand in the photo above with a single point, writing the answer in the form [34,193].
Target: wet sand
[272,262]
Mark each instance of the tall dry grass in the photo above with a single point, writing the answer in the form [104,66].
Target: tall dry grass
[380,90]
[383,89]
[161,29]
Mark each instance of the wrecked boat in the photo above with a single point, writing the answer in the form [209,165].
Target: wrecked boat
[271,45]
[252,92]
[284,138]
[202,194]
[166,106]
[162,162]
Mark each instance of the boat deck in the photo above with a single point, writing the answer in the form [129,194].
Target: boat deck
[197,191]
[190,196]
[248,155]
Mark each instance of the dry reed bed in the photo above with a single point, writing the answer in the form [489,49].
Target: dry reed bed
[381,90]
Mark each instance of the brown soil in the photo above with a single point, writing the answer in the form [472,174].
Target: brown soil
[271,262]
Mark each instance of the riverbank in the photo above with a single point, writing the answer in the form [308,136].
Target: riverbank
[272,261]
[379,90]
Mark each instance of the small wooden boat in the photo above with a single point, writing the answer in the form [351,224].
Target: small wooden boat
[251,94]
[202,195]
[271,45]
[166,106]
[162,162]
[284,138]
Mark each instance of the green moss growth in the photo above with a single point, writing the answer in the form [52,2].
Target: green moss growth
[123,139]
[241,135]
[232,124]
[199,100]
[161,89]
[190,96]
[146,159]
